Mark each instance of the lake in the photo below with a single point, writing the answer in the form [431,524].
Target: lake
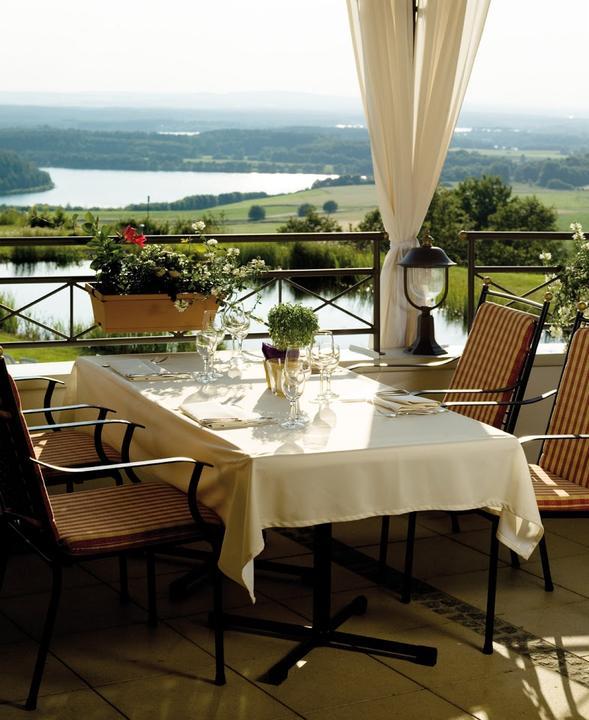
[118,188]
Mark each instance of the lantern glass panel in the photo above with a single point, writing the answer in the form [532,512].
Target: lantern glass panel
[425,284]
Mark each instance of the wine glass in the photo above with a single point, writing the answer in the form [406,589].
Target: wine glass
[330,368]
[295,371]
[322,355]
[206,343]
[237,323]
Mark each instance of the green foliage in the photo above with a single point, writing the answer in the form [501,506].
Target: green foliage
[312,222]
[256,213]
[291,325]
[527,213]
[372,221]
[125,267]
[305,209]
[20,175]
[573,285]
[479,198]
[330,206]
[58,219]
[484,204]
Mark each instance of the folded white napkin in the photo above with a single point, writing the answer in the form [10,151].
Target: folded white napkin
[142,369]
[223,417]
[405,404]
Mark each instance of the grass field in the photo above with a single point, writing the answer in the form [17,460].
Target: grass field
[354,201]
[571,205]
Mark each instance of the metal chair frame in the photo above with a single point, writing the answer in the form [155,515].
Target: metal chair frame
[24,514]
[509,421]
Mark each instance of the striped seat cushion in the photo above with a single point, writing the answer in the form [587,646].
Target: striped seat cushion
[493,357]
[69,448]
[121,518]
[556,493]
[570,458]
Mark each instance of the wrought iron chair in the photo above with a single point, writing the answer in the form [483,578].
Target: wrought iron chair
[65,444]
[561,475]
[488,384]
[67,528]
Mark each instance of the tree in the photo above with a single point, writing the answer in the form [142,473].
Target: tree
[330,206]
[304,209]
[479,198]
[371,221]
[309,224]
[256,213]
[527,213]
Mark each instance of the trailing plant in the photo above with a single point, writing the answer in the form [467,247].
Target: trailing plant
[126,265]
[573,285]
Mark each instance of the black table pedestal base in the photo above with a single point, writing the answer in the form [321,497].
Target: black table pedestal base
[323,631]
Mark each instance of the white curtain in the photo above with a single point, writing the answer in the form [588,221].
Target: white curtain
[413,80]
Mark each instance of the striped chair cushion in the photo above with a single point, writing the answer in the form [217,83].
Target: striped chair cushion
[556,493]
[69,448]
[121,518]
[570,458]
[493,357]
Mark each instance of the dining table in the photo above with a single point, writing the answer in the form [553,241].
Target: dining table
[351,461]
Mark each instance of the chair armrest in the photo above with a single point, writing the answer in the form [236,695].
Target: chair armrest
[130,467]
[56,408]
[55,381]
[409,366]
[506,403]
[51,384]
[463,391]
[531,438]
[120,466]
[83,423]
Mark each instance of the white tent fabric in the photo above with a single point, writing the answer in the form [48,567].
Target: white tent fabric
[413,80]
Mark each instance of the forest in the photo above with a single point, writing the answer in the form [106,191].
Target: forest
[543,159]
[19,175]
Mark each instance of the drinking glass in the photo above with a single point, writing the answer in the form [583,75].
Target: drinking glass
[295,371]
[323,356]
[206,342]
[237,323]
[330,368]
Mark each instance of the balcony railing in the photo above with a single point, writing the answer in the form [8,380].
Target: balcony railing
[294,278]
[476,271]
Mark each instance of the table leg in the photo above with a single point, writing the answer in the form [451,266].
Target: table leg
[323,630]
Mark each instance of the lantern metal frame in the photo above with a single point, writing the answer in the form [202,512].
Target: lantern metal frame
[426,256]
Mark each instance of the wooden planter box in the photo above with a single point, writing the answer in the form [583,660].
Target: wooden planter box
[149,313]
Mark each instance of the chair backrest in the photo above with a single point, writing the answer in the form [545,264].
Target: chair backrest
[499,353]
[22,489]
[570,415]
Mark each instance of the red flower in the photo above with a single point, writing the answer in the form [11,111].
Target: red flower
[132,236]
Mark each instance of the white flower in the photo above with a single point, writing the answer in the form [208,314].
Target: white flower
[181,305]
[545,256]
[577,229]
[211,242]
[198,226]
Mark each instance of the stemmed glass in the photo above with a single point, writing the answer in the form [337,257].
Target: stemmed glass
[237,323]
[321,351]
[329,370]
[206,344]
[295,371]
[325,357]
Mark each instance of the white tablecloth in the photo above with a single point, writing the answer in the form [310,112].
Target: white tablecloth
[349,463]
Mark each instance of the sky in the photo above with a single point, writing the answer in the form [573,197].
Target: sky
[532,56]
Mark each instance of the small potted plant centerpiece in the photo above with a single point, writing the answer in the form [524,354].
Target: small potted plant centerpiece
[146,287]
[289,325]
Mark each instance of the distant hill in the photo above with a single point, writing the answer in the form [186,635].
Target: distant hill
[18,175]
